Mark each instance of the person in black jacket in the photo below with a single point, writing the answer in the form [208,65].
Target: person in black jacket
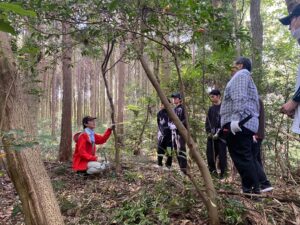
[215,147]
[164,146]
[178,141]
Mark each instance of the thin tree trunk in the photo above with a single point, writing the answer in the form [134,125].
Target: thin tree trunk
[165,67]
[65,147]
[110,47]
[103,100]
[74,99]
[92,91]
[24,164]
[54,101]
[257,41]
[97,88]
[236,28]
[79,94]
[121,94]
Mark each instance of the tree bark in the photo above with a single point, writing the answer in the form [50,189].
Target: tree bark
[103,101]
[236,28]
[79,94]
[54,100]
[24,164]
[165,68]
[257,41]
[65,147]
[108,52]
[93,91]
[121,94]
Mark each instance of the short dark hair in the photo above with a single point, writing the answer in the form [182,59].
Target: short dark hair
[245,62]
[215,92]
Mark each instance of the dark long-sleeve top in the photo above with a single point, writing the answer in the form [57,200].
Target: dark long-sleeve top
[162,122]
[296,96]
[262,123]
[213,119]
[179,111]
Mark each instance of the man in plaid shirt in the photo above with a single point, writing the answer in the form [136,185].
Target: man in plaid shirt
[241,100]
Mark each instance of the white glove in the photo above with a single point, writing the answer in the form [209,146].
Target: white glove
[254,139]
[159,134]
[234,127]
[172,126]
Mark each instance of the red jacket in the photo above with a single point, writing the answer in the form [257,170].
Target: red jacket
[84,150]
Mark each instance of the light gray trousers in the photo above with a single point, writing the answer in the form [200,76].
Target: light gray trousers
[95,167]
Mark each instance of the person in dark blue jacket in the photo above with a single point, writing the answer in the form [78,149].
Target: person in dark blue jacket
[164,146]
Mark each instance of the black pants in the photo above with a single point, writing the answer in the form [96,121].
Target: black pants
[216,148]
[163,145]
[179,146]
[263,180]
[240,149]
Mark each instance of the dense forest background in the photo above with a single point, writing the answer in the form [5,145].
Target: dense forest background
[62,60]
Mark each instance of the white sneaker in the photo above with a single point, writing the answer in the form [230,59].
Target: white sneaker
[267,189]
[157,166]
[167,169]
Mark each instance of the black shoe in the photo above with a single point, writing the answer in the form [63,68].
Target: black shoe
[82,174]
[214,174]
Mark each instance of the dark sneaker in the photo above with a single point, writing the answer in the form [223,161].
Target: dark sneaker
[214,174]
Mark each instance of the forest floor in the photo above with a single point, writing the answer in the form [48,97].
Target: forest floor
[143,195]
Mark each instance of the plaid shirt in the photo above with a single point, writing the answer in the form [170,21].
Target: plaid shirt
[240,100]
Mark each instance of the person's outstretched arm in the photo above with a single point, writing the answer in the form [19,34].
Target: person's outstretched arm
[101,139]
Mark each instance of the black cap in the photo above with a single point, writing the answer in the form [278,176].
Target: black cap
[176,95]
[215,92]
[86,119]
[288,19]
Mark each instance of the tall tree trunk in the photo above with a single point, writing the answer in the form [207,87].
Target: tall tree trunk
[103,101]
[108,52]
[54,101]
[121,93]
[86,88]
[79,94]
[92,90]
[165,68]
[97,88]
[113,59]
[65,147]
[25,166]
[74,91]
[257,41]
[236,28]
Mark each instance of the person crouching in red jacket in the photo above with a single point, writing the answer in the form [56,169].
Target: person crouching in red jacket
[84,158]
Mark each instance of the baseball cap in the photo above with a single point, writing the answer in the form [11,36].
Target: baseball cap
[288,19]
[86,119]
[176,95]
